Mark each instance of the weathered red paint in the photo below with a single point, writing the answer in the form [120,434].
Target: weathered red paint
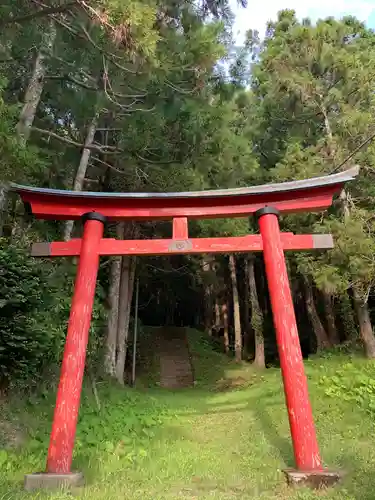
[180,228]
[301,421]
[250,243]
[293,196]
[55,206]
[62,438]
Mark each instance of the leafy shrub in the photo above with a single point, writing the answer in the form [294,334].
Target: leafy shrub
[126,421]
[35,298]
[23,346]
[120,434]
[353,383]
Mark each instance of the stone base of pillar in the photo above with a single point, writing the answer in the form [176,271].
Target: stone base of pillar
[313,479]
[50,481]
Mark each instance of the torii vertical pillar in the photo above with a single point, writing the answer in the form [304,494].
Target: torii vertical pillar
[305,445]
[60,452]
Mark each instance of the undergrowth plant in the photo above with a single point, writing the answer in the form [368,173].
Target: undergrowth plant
[35,298]
[117,435]
[354,385]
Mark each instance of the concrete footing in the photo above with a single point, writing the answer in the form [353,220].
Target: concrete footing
[313,479]
[48,480]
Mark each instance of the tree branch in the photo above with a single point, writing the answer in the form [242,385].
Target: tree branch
[71,65]
[93,147]
[106,81]
[358,148]
[105,53]
[176,89]
[40,13]
[108,165]
[67,27]
[153,162]
[72,80]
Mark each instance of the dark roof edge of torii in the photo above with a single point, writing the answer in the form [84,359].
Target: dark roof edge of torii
[314,182]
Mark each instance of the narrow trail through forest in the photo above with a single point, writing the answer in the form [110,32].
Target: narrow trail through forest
[175,362]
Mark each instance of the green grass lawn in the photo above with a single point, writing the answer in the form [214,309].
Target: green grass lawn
[227,438]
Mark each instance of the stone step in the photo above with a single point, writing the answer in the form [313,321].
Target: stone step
[175,364]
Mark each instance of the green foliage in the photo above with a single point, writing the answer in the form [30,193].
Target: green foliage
[203,441]
[124,425]
[16,161]
[24,346]
[206,359]
[352,385]
[134,24]
[345,311]
[120,433]
[168,120]
[315,106]
[35,300]
[351,261]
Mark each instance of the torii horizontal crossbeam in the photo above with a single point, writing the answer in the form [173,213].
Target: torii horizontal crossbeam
[250,243]
[288,197]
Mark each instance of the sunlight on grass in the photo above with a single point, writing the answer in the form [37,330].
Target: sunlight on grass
[227,438]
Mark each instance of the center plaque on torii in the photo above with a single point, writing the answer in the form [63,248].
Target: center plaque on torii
[267,202]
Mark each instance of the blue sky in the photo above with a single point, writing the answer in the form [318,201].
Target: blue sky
[258,13]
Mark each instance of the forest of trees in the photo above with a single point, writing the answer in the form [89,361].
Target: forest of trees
[150,95]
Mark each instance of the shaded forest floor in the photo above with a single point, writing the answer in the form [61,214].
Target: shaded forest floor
[226,438]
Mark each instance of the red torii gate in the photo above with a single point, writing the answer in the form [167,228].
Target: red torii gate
[267,202]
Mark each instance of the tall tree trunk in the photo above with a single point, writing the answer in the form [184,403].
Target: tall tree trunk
[256,316]
[330,317]
[248,332]
[81,170]
[3,205]
[125,300]
[113,299]
[236,310]
[344,202]
[319,330]
[35,87]
[365,327]
[217,314]
[208,306]
[331,150]
[31,99]
[224,312]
